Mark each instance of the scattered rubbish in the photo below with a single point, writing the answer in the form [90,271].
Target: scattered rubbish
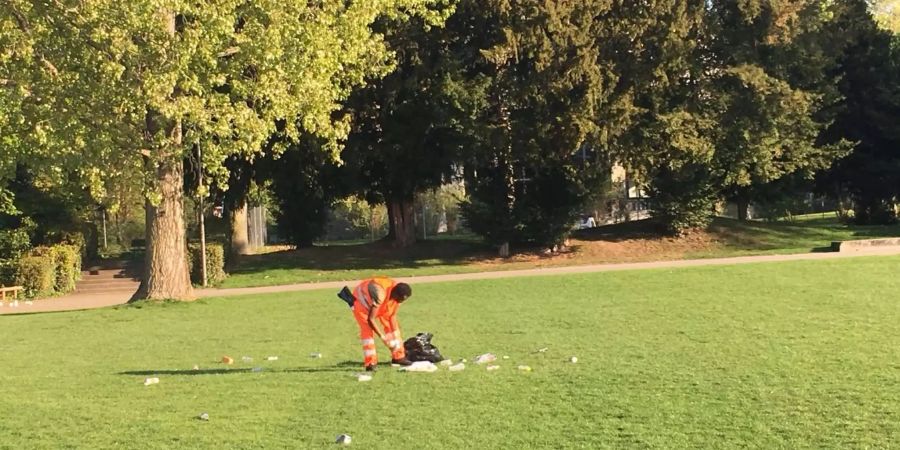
[246,359]
[272,358]
[446,362]
[524,368]
[363,377]
[573,359]
[343,439]
[203,416]
[315,355]
[150,381]
[257,369]
[485,358]
[196,367]
[464,360]
[227,360]
[458,367]
[542,350]
[420,366]
[420,348]
[492,368]
[505,356]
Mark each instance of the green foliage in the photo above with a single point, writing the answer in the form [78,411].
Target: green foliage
[528,89]
[867,115]
[68,267]
[14,242]
[353,218]
[682,200]
[37,274]
[215,263]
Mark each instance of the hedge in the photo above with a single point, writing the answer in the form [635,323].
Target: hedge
[46,271]
[215,263]
[37,275]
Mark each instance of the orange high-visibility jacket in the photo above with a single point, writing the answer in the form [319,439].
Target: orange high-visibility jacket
[366,294]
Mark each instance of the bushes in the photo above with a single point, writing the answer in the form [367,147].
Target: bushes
[48,271]
[37,274]
[215,263]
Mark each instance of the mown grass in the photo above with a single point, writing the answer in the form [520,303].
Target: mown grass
[779,355]
[466,254]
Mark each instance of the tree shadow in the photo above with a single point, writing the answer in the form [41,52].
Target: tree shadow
[374,256]
[344,366]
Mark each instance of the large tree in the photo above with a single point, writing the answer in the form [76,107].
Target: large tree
[869,71]
[105,87]
[527,85]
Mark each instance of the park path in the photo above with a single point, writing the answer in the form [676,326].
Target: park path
[100,300]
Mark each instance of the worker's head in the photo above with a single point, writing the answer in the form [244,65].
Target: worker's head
[401,292]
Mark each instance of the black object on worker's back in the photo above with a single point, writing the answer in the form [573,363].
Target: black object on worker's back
[419,348]
[346,296]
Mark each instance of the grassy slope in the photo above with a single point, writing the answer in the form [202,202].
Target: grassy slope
[610,244]
[787,355]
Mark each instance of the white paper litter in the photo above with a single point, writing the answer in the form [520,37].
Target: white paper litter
[491,368]
[446,362]
[150,381]
[542,350]
[573,359]
[363,377]
[272,358]
[485,358]
[420,366]
[343,439]
[524,368]
[458,367]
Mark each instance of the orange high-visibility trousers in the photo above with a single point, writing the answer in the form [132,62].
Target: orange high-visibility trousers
[386,315]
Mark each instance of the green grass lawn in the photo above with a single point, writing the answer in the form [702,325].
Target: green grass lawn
[464,254]
[779,355]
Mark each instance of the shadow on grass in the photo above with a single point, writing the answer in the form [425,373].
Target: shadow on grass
[345,366]
[370,256]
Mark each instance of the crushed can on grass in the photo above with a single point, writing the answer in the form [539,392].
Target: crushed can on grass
[343,439]
[227,360]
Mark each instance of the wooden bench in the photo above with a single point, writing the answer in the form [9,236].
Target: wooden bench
[11,289]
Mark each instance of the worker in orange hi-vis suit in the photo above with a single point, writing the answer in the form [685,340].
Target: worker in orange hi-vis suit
[380,298]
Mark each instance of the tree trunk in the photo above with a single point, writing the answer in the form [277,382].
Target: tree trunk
[166,272]
[743,208]
[240,240]
[403,221]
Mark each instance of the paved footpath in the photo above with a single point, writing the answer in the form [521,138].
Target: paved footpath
[88,301]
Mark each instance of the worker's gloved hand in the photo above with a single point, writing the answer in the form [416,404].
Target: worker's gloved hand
[401,362]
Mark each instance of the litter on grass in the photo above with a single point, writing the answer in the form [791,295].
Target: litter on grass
[363,377]
[314,355]
[420,366]
[492,368]
[203,416]
[458,367]
[524,368]
[343,439]
[446,362]
[227,360]
[485,358]
[272,358]
[150,381]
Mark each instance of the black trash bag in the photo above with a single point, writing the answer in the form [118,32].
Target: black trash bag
[346,296]
[419,348]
